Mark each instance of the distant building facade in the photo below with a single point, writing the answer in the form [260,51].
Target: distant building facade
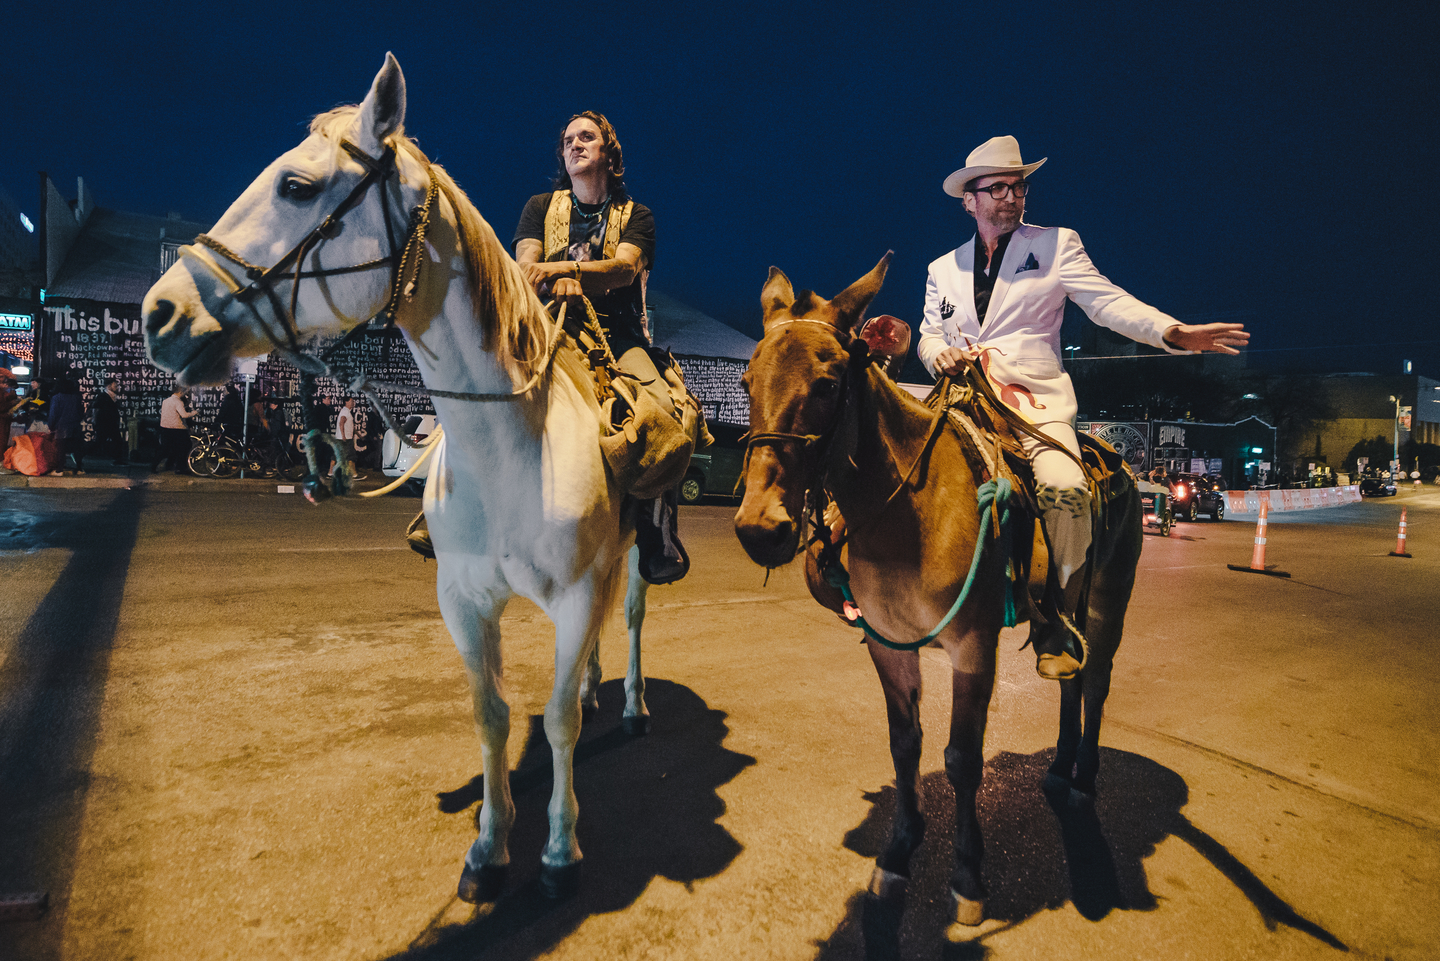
[1364,410]
[1241,454]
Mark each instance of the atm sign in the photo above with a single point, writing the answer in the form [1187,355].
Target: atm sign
[14,321]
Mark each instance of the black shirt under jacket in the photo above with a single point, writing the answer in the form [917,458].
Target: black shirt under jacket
[985,280]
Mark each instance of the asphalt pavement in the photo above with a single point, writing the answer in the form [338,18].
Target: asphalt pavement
[232,725]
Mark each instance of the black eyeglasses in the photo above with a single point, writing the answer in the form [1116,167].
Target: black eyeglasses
[998,191]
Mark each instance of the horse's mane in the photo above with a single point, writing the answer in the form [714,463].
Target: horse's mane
[512,319]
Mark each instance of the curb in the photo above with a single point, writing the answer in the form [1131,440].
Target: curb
[166,483]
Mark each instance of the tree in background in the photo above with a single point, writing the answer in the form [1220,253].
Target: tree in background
[1293,403]
[1378,448]
[1422,457]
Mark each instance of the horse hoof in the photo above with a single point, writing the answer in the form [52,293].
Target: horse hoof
[560,882]
[637,725]
[887,885]
[482,886]
[967,912]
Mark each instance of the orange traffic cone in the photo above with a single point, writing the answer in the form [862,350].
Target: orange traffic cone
[1399,550]
[1257,557]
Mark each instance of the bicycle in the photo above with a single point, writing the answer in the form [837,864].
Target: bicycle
[205,445]
[222,456]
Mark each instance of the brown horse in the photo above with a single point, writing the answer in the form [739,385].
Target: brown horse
[825,422]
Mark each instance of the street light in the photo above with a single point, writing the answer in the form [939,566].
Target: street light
[1395,464]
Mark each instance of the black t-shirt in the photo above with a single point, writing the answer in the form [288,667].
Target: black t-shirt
[622,310]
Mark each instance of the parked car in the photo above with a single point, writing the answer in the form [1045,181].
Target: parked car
[1373,485]
[1193,494]
[396,458]
[716,469]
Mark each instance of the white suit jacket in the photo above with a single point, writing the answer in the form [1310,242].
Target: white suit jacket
[1042,267]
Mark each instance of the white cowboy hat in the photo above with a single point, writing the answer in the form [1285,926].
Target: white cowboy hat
[998,155]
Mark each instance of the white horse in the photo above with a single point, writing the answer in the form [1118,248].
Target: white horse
[519,500]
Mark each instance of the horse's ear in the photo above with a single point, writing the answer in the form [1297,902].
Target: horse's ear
[382,112]
[777,294]
[851,302]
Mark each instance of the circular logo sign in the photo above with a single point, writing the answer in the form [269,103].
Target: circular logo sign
[1128,442]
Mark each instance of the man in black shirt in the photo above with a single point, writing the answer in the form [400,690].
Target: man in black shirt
[609,246]
[588,238]
[108,437]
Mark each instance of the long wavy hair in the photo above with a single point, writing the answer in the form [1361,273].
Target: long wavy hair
[615,181]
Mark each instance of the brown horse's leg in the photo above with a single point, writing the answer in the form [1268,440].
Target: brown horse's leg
[900,680]
[1095,680]
[1068,744]
[1117,555]
[965,764]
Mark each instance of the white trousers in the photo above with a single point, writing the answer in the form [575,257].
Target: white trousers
[1064,497]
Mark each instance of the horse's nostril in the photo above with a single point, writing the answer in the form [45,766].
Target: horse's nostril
[159,316]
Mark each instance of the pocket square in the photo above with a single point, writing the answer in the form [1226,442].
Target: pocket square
[1030,264]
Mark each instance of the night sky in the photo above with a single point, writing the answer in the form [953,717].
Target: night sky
[1268,163]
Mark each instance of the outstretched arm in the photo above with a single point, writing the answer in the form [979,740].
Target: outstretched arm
[1219,338]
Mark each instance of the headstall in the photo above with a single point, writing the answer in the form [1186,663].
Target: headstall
[403,260]
[813,446]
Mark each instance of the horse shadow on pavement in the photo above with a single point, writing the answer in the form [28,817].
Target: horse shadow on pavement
[648,808]
[1040,853]
[51,692]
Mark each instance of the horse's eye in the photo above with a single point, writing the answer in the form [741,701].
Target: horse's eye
[826,387]
[293,188]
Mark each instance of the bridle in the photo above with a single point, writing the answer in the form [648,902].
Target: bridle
[404,259]
[813,446]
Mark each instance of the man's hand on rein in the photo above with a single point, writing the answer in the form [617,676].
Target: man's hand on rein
[538,275]
[568,289]
[952,360]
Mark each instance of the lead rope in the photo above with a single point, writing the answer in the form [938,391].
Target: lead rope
[990,494]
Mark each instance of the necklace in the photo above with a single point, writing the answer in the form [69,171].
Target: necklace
[575,203]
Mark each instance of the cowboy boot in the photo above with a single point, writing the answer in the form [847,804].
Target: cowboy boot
[417,535]
[1058,656]
[662,557]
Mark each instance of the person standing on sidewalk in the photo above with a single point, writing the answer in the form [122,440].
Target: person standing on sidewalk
[9,403]
[232,413]
[67,416]
[108,438]
[345,434]
[174,433]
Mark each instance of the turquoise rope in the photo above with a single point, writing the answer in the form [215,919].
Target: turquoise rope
[991,492]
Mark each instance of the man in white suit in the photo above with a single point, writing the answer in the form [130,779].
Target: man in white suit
[1000,298]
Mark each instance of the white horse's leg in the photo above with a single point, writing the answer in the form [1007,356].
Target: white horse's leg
[578,617]
[637,716]
[473,617]
[590,686]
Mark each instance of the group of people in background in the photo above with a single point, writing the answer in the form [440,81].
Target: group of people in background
[61,408]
